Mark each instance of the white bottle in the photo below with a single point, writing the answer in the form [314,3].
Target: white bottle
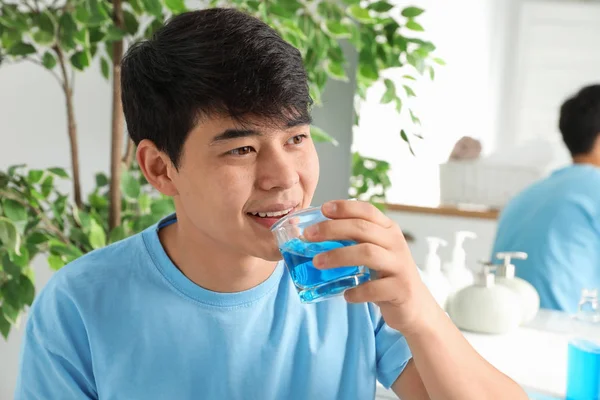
[456,271]
[485,307]
[432,271]
[529,297]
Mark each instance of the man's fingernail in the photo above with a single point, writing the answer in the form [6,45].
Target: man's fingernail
[319,260]
[329,207]
[311,230]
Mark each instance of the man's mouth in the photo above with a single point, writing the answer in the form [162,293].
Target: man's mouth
[272,214]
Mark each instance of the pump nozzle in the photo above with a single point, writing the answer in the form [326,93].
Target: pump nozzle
[432,260]
[485,277]
[507,269]
[459,257]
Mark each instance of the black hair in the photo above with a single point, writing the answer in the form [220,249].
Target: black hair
[580,120]
[206,63]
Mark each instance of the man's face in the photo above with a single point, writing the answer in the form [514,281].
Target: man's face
[235,182]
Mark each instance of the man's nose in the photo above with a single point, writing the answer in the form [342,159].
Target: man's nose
[276,170]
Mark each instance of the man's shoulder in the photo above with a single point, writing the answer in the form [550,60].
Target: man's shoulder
[96,271]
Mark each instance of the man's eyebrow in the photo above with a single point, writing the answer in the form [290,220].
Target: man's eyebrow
[230,134]
[302,120]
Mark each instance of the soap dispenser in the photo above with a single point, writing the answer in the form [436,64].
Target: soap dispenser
[485,307]
[505,275]
[432,270]
[456,271]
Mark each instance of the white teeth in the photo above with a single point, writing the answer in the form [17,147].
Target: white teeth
[272,214]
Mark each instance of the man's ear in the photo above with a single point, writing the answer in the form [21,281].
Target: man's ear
[156,167]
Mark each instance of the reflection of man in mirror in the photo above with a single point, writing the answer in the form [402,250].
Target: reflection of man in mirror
[557,220]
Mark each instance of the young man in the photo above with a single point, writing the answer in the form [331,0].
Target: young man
[199,306]
[556,221]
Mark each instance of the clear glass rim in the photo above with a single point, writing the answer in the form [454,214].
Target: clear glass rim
[299,213]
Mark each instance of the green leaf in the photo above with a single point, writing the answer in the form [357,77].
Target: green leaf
[129,185]
[337,29]
[55,262]
[4,324]
[97,201]
[176,6]
[390,92]
[431,73]
[48,60]
[415,26]
[162,207]
[10,267]
[409,91]
[414,118]
[9,235]
[46,23]
[114,34]
[20,260]
[318,135]
[144,203]
[43,38]
[131,23]
[398,105]
[15,211]
[137,7]
[26,290]
[360,14]
[37,238]
[67,31]
[60,172]
[117,234]
[80,60]
[369,72]
[105,67]
[82,14]
[47,185]
[153,27]
[82,37]
[380,6]
[405,138]
[336,70]
[97,236]
[4,179]
[101,179]
[98,14]
[21,49]
[390,30]
[10,313]
[412,12]
[13,170]
[439,61]
[35,175]
[96,34]
[153,7]
[143,222]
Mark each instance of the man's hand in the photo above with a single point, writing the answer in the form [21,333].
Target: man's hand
[444,366]
[398,289]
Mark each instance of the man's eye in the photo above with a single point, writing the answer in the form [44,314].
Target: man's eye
[241,151]
[297,139]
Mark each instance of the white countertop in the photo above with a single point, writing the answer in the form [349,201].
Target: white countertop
[535,355]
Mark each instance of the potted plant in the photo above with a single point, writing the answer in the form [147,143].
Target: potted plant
[65,37]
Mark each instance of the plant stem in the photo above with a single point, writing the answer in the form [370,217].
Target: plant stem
[72,128]
[114,216]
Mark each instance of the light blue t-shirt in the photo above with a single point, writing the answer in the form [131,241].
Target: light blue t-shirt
[556,221]
[123,322]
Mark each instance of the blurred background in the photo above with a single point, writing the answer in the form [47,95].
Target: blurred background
[500,69]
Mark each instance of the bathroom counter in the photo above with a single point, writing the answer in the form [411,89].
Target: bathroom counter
[448,211]
[535,355]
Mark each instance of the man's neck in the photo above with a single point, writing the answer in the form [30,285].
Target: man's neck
[589,159]
[211,267]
